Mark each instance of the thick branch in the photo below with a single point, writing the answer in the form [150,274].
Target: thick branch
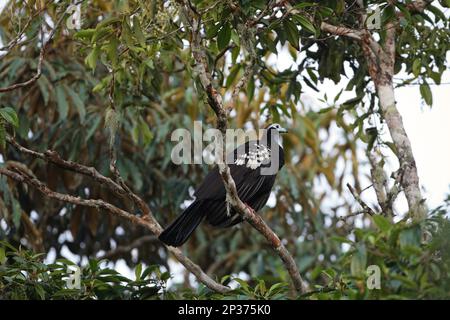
[380,62]
[215,102]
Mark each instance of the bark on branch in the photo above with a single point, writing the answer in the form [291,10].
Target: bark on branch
[147,219]
[216,103]
[380,60]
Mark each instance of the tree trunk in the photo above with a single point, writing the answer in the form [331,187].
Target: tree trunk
[410,178]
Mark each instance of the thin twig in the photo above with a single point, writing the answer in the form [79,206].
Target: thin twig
[41,59]
[355,195]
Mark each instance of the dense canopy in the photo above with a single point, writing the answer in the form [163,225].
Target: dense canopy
[106,82]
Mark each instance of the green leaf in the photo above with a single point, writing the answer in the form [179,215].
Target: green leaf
[382,223]
[44,86]
[138,272]
[108,21]
[425,91]
[250,89]
[410,237]
[91,59]
[305,23]
[277,287]
[224,36]
[233,74]
[147,135]
[63,106]
[359,261]
[79,104]
[292,33]
[417,64]
[2,255]
[85,34]
[40,291]
[111,51]
[137,31]
[10,116]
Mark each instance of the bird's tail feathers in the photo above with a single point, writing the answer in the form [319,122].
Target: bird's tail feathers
[180,230]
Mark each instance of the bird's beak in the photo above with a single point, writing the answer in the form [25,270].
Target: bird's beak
[282,130]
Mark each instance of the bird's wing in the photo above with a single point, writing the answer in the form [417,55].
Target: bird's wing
[212,186]
[248,181]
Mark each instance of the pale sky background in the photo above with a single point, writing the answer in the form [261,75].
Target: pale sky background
[428,129]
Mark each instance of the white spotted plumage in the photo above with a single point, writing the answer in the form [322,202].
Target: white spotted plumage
[255,157]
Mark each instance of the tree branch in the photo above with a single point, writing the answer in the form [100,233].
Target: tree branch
[380,61]
[147,221]
[215,102]
[365,207]
[341,31]
[40,60]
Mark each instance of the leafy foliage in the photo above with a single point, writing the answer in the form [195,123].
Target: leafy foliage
[23,275]
[128,72]
[410,269]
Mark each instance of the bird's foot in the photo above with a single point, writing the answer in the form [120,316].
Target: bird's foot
[249,208]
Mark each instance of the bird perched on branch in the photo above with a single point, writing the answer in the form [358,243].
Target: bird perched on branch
[253,166]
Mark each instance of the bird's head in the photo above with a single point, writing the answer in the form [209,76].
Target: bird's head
[273,134]
[277,127]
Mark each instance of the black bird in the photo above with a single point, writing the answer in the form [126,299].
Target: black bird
[253,166]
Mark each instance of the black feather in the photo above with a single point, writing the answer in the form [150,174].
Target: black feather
[252,186]
[179,230]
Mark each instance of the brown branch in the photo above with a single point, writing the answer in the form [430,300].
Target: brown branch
[113,160]
[341,31]
[54,158]
[40,60]
[380,61]
[365,207]
[15,41]
[379,180]
[215,102]
[147,221]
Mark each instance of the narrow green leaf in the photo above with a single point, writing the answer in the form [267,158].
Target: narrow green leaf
[382,223]
[137,31]
[417,64]
[292,33]
[138,272]
[2,255]
[78,103]
[224,36]
[305,23]
[10,116]
[91,59]
[427,96]
[359,261]
[61,99]
[44,87]
[250,89]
